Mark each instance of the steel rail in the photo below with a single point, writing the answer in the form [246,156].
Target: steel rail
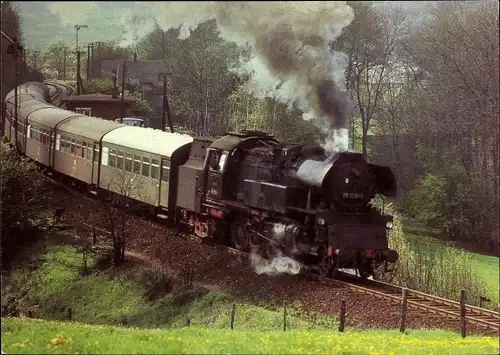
[437,305]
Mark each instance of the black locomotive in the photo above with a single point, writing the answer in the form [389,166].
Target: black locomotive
[244,189]
[275,198]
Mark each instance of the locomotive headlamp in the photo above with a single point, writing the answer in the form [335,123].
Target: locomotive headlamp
[321,221]
[389,225]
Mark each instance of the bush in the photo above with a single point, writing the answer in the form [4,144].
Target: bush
[431,268]
[24,197]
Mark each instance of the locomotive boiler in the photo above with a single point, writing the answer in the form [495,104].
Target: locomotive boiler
[295,200]
[244,189]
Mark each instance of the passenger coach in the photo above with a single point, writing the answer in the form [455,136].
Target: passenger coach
[143,164]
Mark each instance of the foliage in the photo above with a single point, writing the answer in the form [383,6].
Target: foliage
[440,271]
[39,336]
[141,107]
[23,200]
[99,86]
[10,23]
[201,79]
[58,59]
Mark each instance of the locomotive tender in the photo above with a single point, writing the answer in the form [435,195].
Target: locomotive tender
[244,189]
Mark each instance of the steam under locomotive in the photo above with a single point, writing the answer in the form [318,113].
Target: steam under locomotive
[244,189]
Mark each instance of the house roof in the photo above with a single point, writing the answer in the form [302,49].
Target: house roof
[137,72]
[97,97]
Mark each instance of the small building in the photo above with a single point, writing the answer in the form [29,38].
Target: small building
[140,75]
[100,105]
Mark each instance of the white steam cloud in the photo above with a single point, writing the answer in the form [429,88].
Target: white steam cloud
[292,59]
[278,265]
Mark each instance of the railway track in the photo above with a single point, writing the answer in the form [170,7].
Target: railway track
[58,91]
[484,318]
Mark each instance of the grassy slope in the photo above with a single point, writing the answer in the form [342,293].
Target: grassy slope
[487,266]
[39,336]
[106,297]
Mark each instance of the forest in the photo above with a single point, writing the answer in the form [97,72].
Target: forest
[425,100]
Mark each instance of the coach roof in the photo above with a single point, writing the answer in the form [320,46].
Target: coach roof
[89,127]
[147,140]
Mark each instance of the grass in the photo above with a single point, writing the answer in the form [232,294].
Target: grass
[113,296]
[486,267]
[32,336]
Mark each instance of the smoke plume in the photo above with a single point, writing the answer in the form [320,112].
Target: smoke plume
[279,265]
[292,59]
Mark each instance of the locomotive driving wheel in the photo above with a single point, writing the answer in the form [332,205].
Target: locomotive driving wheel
[325,264]
[239,235]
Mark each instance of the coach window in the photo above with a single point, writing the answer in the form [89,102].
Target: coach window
[165,171]
[84,150]
[78,150]
[112,158]
[128,161]
[145,166]
[137,164]
[89,151]
[73,147]
[155,168]
[119,160]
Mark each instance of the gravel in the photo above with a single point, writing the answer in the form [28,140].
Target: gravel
[217,269]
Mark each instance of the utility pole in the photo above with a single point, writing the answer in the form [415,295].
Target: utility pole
[88,61]
[124,72]
[166,107]
[92,63]
[78,78]
[16,50]
[25,66]
[64,63]
[35,56]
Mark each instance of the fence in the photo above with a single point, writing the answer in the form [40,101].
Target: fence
[188,275]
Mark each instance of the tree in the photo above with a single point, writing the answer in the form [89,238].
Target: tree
[10,23]
[438,123]
[120,205]
[23,201]
[158,44]
[58,59]
[200,77]
[370,43]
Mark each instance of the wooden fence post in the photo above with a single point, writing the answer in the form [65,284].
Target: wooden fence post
[92,232]
[284,315]
[233,312]
[70,314]
[342,316]
[188,322]
[404,308]
[463,323]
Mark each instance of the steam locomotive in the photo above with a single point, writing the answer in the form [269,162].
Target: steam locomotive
[244,189]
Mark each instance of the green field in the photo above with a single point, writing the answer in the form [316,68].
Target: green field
[40,336]
[486,267]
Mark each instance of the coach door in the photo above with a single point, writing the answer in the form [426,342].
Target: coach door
[164,182]
[216,164]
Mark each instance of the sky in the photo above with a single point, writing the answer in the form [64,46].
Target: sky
[44,21]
